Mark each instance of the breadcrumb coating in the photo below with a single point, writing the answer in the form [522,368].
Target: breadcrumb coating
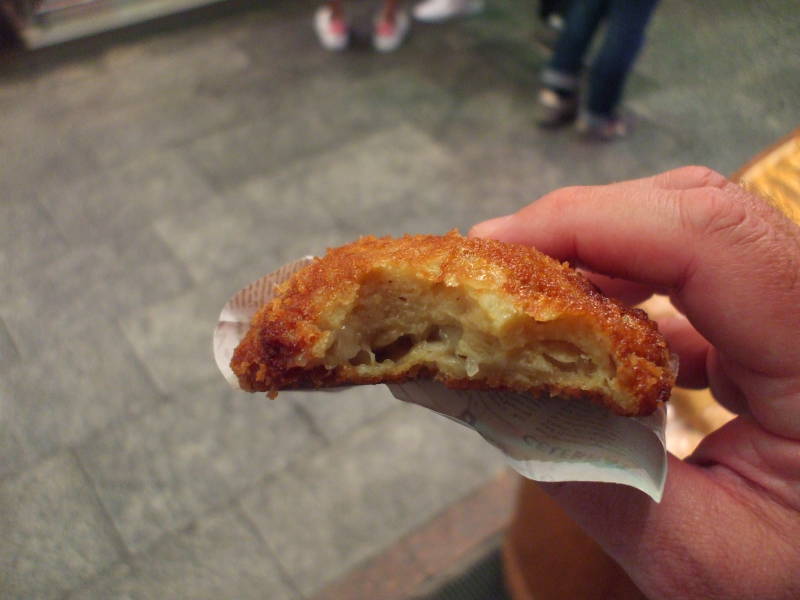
[472,313]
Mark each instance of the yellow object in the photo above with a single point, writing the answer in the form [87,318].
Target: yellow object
[775,175]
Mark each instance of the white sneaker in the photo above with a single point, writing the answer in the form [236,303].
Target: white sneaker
[388,36]
[434,11]
[333,35]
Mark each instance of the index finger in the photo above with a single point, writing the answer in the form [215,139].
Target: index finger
[728,258]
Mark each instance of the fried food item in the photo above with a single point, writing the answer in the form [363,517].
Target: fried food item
[472,313]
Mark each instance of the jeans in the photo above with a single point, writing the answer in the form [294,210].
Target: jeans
[626,23]
[549,7]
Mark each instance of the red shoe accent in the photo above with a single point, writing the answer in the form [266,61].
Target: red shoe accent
[338,26]
[385,29]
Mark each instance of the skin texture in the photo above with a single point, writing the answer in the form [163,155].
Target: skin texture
[729,523]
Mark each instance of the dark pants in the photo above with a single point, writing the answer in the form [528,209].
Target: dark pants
[626,23]
[549,7]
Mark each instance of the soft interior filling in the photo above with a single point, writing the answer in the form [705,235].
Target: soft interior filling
[397,323]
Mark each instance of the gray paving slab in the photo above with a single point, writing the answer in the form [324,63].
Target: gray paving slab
[38,150]
[246,224]
[518,160]
[116,201]
[711,140]
[79,383]
[9,355]
[651,150]
[13,448]
[286,123]
[136,70]
[218,557]
[409,94]
[88,283]
[160,472]
[339,411]
[46,71]
[292,122]
[507,166]
[55,534]
[37,139]
[14,88]
[122,133]
[729,39]
[28,239]
[392,182]
[327,514]
[172,339]
[362,187]
[676,105]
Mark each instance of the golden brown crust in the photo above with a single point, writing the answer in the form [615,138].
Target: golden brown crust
[283,335]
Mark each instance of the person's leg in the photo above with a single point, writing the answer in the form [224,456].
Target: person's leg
[553,8]
[389,11]
[552,15]
[546,8]
[627,22]
[582,20]
[558,98]
[337,9]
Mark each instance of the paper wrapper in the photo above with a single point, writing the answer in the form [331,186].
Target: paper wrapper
[543,438]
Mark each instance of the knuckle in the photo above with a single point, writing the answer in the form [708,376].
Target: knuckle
[692,177]
[714,212]
[707,177]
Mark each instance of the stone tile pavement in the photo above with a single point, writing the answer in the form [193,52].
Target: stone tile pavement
[147,174]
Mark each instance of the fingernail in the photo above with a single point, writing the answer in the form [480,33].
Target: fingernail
[490,228]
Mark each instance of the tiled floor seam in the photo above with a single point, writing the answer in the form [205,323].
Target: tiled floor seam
[5,334]
[333,148]
[163,395]
[230,504]
[242,515]
[95,433]
[493,496]
[53,221]
[232,501]
[309,420]
[297,463]
[169,248]
[112,530]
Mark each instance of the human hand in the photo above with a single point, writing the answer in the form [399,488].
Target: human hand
[729,522]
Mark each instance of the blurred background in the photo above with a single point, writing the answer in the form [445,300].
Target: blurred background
[148,172]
